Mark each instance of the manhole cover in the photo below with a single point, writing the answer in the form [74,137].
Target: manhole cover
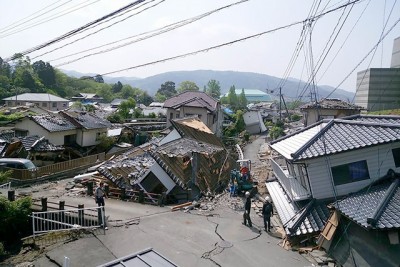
[225,244]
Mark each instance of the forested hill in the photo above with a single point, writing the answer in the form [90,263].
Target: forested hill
[249,80]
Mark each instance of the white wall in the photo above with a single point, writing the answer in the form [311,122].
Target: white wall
[56,138]
[88,137]
[163,177]
[379,160]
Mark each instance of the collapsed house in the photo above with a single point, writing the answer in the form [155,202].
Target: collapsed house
[188,162]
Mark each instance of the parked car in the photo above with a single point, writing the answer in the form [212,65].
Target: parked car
[17,163]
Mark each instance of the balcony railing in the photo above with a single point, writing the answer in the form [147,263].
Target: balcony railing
[291,185]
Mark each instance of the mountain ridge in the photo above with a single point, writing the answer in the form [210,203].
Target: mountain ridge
[247,80]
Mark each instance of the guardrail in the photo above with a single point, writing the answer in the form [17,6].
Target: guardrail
[70,219]
[6,186]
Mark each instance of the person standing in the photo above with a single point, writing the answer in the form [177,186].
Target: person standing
[247,207]
[100,194]
[267,212]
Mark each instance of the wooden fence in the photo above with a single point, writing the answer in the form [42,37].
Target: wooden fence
[57,167]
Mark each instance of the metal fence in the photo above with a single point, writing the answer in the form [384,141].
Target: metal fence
[70,219]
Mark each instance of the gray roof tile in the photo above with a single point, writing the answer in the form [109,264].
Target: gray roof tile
[53,123]
[192,98]
[362,205]
[86,120]
[37,97]
[335,136]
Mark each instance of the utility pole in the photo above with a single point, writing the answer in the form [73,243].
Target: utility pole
[280,103]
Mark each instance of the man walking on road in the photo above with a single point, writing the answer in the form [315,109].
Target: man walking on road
[247,206]
[267,212]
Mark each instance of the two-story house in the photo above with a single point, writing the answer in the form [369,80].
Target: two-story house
[327,161]
[195,103]
[43,100]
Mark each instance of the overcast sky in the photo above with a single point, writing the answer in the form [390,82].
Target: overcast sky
[270,53]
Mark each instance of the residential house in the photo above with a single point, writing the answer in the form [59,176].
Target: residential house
[326,161]
[90,127]
[40,151]
[43,100]
[65,128]
[328,108]
[87,98]
[54,127]
[196,103]
[254,122]
[189,161]
[253,95]
[364,228]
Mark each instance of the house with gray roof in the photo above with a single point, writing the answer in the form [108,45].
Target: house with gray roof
[43,100]
[326,161]
[65,128]
[328,108]
[87,98]
[196,103]
[368,229]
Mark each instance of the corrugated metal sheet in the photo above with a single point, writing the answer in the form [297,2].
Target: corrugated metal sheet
[297,220]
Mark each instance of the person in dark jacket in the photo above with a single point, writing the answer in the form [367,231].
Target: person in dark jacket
[246,214]
[267,212]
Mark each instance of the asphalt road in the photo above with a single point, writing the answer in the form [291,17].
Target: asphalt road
[194,238]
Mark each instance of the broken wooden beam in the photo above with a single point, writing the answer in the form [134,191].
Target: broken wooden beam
[178,207]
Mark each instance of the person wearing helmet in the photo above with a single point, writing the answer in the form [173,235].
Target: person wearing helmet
[267,212]
[246,214]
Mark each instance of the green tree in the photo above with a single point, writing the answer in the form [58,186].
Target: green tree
[233,100]
[117,87]
[213,89]
[242,100]
[240,126]
[187,86]
[45,72]
[98,78]
[166,91]
[125,108]
[5,68]
[276,132]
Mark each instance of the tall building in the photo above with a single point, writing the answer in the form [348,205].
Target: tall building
[379,88]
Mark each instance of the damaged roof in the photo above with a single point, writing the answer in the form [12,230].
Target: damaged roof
[376,206]
[308,219]
[7,136]
[53,123]
[194,128]
[86,120]
[39,144]
[331,103]
[192,99]
[329,137]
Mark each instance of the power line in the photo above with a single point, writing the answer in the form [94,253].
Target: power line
[50,18]
[12,25]
[73,32]
[231,42]
[159,31]
[84,37]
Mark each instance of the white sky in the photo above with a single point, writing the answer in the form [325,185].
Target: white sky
[268,54]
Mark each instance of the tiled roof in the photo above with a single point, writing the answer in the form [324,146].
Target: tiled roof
[39,144]
[383,119]
[331,103]
[6,136]
[334,136]
[37,97]
[296,220]
[53,123]
[86,120]
[194,128]
[376,206]
[191,98]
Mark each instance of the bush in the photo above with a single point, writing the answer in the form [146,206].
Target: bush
[14,218]
[276,132]
[295,117]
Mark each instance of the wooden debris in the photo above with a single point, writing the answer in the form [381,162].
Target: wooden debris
[178,207]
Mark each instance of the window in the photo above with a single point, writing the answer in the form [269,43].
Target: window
[177,116]
[54,104]
[396,157]
[351,172]
[171,116]
[44,104]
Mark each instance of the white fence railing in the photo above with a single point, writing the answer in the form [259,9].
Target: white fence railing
[6,186]
[71,219]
